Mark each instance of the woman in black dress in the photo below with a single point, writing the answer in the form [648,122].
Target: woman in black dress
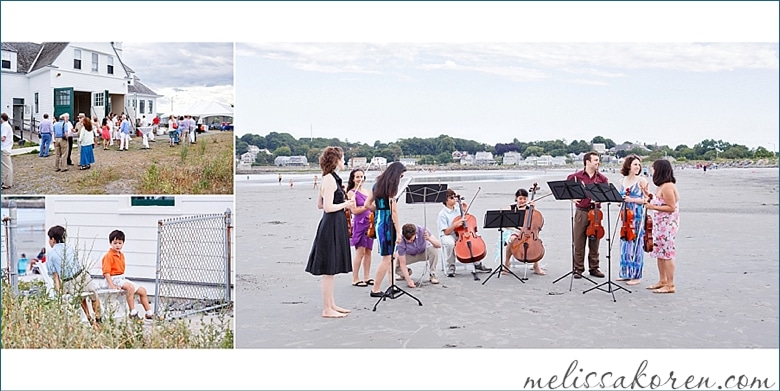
[330,253]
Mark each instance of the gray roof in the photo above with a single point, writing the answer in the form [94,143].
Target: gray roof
[49,52]
[25,53]
[139,87]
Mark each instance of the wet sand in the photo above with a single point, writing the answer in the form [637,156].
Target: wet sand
[726,277]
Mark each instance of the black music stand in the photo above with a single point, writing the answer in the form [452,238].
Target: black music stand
[500,219]
[425,194]
[393,291]
[569,190]
[606,192]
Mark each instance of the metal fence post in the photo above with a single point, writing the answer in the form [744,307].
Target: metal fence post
[157,271]
[228,225]
[13,271]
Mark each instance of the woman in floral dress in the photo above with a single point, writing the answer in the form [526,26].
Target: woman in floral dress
[666,220]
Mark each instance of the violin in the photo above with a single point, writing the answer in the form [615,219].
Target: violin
[527,246]
[469,247]
[371,227]
[627,231]
[348,213]
[595,229]
[648,243]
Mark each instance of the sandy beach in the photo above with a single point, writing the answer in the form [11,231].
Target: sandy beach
[726,276]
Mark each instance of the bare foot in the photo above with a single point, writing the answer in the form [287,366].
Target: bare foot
[330,313]
[410,284]
[633,282]
[540,272]
[657,285]
[341,310]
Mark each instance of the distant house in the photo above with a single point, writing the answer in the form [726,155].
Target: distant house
[467,160]
[484,159]
[457,155]
[69,77]
[512,158]
[253,149]
[408,161]
[601,148]
[559,161]
[356,161]
[285,161]
[248,158]
[378,162]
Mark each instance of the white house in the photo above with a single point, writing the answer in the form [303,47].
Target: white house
[378,162]
[357,161]
[70,77]
[88,224]
[512,158]
[408,161]
[484,158]
[291,161]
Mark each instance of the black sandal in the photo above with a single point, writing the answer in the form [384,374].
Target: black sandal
[82,167]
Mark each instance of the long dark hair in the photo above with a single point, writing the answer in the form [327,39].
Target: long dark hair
[387,184]
[663,172]
[351,182]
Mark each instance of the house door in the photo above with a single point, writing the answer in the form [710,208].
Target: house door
[63,102]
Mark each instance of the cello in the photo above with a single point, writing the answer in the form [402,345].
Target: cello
[469,247]
[527,246]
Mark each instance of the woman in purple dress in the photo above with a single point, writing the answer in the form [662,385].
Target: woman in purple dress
[360,224]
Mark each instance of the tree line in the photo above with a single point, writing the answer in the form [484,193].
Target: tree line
[438,150]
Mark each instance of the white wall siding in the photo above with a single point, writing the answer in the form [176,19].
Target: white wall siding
[41,83]
[89,221]
[88,82]
[14,86]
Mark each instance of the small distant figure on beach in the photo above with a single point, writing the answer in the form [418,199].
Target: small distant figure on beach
[704,166]
[280,179]
[291,184]
[315,181]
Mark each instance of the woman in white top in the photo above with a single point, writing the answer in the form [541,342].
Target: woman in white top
[87,143]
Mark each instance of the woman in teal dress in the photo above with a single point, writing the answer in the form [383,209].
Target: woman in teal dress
[633,187]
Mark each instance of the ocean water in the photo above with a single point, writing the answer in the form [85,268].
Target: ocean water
[30,233]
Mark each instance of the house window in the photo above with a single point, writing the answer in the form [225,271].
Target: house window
[153,201]
[141,108]
[150,111]
[94,62]
[63,98]
[6,60]
[134,103]
[36,103]
[110,66]
[99,100]
[76,58]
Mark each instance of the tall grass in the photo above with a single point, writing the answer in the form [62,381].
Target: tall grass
[37,321]
[207,170]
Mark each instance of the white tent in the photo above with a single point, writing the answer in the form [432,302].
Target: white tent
[208,109]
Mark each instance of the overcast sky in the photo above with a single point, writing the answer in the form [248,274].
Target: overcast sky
[185,72]
[665,93]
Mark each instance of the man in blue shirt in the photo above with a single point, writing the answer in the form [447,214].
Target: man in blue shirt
[68,274]
[61,130]
[45,130]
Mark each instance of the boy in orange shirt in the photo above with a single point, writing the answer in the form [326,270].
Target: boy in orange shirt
[114,273]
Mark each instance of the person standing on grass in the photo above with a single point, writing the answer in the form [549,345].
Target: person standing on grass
[87,144]
[60,130]
[7,146]
[124,133]
[45,129]
[105,133]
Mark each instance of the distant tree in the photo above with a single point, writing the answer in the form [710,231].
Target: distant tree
[762,152]
[579,146]
[313,155]
[444,158]
[241,147]
[264,159]
[533,151]
[283,151]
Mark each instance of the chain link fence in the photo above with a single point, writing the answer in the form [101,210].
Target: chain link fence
[193,265]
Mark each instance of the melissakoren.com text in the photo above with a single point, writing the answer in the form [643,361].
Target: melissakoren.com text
[578,378]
